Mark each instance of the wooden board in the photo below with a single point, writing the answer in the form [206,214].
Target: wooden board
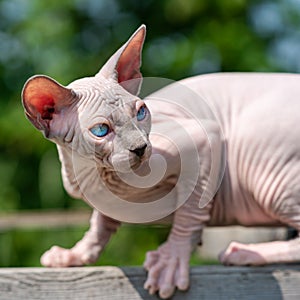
[112,283]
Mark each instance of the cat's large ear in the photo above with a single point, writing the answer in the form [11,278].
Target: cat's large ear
[124,65]
[42,97]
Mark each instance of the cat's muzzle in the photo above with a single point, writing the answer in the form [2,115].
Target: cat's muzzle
[124,162]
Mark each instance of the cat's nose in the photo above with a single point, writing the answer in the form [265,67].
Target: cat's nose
[139,151]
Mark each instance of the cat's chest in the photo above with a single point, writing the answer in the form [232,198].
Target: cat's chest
[137,193]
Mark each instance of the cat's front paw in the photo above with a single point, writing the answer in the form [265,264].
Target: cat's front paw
[61,257]
[168,268]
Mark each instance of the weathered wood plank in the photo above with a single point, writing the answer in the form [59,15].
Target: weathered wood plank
[112,283]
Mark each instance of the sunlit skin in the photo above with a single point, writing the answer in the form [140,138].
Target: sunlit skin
[247,144]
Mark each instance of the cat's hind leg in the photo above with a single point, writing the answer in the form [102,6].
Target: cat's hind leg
[262,253]
[287,212]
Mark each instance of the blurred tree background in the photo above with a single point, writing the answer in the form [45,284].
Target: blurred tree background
[71,39]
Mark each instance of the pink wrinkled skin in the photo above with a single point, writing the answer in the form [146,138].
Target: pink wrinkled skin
[260,142]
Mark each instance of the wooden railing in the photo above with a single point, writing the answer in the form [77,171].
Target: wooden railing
[112,283]
[109,283]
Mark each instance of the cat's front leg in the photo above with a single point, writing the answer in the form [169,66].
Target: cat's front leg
[88,249]
[168,266]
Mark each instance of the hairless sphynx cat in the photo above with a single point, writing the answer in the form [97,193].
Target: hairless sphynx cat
[217,149]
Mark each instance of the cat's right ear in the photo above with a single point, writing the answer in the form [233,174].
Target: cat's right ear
[124,65]
[42,98]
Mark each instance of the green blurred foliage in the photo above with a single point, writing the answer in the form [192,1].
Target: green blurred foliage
[126,248]
[71,39]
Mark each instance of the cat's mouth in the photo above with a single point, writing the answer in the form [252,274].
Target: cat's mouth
[135,165]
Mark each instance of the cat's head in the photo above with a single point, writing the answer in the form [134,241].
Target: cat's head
[101,117]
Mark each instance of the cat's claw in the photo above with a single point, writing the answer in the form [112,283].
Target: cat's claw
[168,269]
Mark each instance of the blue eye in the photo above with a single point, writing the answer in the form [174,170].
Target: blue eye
[142,113]
[100,130]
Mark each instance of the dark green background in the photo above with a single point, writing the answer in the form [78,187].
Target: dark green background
[71,39]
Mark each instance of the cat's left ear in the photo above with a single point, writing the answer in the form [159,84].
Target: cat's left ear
[124,65]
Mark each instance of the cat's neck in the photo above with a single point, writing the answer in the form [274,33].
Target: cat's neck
[131,190]
[111,177]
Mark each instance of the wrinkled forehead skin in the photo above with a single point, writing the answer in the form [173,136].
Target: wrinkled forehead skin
[99,100]
[103,97]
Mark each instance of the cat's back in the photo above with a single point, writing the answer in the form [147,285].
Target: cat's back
[265,103]
[234,95]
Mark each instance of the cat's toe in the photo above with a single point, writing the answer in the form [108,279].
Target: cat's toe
[151,259]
